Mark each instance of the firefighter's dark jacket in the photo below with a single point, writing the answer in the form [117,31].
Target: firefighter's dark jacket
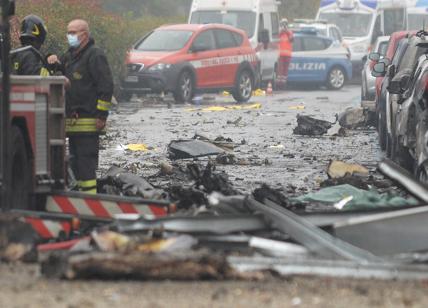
[28,61]
[91,90]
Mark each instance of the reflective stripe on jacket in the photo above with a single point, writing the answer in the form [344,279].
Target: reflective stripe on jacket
[82,125]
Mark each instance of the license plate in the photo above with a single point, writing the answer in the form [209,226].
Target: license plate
[131,79]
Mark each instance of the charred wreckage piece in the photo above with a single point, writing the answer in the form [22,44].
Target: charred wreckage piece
[219,242]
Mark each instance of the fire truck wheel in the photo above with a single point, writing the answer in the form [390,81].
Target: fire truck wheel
[336,78]
[244,87]
[184,90]
[20,181]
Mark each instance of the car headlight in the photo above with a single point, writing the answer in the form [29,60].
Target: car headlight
[359,48]
[159,67]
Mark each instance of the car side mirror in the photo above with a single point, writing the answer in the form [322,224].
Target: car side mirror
[264,37]
[374,56]
[379,70]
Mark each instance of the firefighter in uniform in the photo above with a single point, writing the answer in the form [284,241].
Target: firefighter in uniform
[28,60]
[88,100]
[286,48]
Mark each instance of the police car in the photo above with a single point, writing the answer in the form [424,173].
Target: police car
[318,59]
[323,28]
[189,58]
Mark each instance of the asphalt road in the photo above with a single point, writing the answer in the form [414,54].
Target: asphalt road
[272,154]
[277,157]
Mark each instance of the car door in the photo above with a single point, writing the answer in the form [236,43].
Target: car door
[205,61]
[228,53]
[309,64]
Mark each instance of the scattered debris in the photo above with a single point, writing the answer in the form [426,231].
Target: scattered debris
[362,182]
[227,159]
[338,169]
[226,108]
[353,118]
[297,107]
[166,168]
[235,122]
[118,181]
[222,142]
[337,131]
[259,92]
[361,199]
[307,125]
[182,149]
[194,265]
[17,239]
[138,147]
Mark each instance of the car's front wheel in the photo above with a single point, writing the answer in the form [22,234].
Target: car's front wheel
[244,87]
[336,78]
[184,90]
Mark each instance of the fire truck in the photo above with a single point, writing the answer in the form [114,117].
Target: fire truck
[32,138]
[33,160]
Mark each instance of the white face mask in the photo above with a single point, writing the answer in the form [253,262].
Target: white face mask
[73,40]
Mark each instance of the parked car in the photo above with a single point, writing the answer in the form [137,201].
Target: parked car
[411,120]
[185,59]
[321,26]
[368,86]
[258,18]
[406,105]
[317,59]
[396,47]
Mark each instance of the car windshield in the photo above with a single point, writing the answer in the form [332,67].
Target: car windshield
[351,24]
[239,19]
[417,21]
[320,31]
[165,40]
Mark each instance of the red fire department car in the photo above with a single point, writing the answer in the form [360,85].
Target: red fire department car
[185,59]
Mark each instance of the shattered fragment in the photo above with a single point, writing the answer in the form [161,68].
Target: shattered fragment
[212,181]
[118,181]
[222,142]
[267,193]
[338,169]
[182,149]
[17,239]
[353,118]
[309,126]
[361,199]
[194,265]
[230,159]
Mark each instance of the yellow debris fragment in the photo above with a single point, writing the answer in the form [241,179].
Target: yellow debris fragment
[298,107]
[137,147]
[226,108]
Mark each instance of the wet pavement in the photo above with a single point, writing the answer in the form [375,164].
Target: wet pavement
[267,150]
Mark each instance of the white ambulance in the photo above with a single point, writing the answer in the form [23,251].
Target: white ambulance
[258,18]
[363,21]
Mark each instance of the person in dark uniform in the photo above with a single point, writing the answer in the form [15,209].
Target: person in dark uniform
[28,60]
[88,101]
